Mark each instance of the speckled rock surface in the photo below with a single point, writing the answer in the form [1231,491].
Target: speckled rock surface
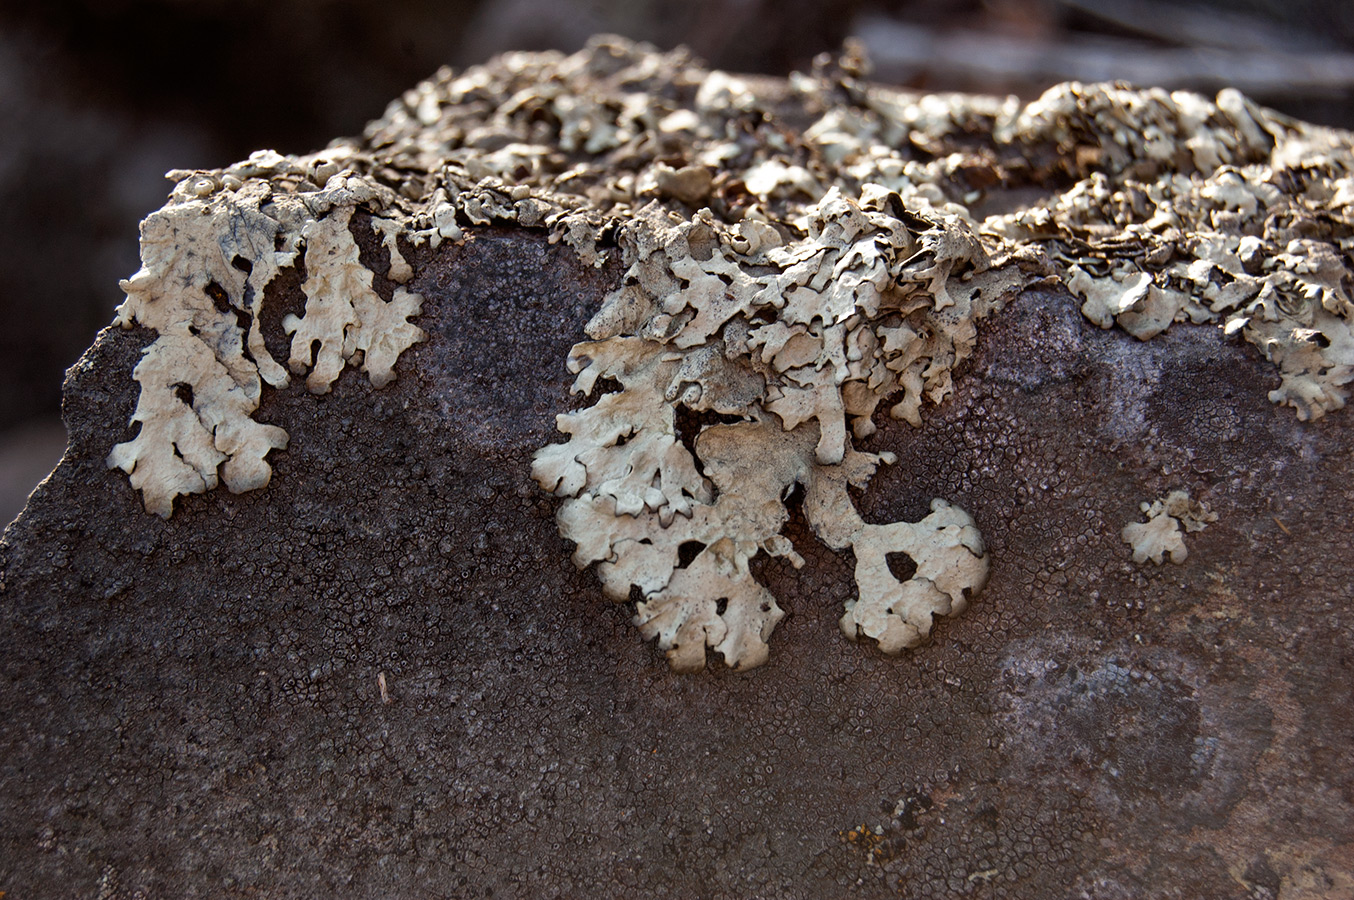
[193,707]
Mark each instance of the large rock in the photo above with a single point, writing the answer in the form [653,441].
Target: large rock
[381,675]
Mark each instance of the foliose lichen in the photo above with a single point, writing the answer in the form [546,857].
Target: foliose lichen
[1160,537]
[207,259]
[787,344]
[799,255]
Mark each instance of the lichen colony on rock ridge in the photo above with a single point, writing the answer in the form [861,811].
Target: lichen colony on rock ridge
[795,254]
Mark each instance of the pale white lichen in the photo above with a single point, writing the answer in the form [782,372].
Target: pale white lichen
[1160,537]
[344,316]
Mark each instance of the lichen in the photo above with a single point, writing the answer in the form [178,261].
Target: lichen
[1160,538]
[798,257]
[787,344]
[207,260]
[344,315]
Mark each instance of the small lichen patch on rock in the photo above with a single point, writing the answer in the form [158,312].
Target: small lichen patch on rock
[1160,537]
[951,563]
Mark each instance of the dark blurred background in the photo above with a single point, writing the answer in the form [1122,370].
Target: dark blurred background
[99,99]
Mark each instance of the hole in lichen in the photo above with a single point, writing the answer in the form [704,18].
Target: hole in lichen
[184,392]
[687,553]
[218,296]
[690,423]
[901,565]
[282,297]
[778,572]
[607,386]
[720,605]
[242,264]
[246,321]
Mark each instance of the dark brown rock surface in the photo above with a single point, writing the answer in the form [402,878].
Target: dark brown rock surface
[193,707]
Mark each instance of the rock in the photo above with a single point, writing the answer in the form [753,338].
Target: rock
[194,706]
[381,674]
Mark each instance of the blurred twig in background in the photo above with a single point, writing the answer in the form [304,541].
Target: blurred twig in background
[1170,47]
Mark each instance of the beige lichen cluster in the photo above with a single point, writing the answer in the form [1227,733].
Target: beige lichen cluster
[794,254]
[207,259]
[1160,537]
[1205,212]
[789,343]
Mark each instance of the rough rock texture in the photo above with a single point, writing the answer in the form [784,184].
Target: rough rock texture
[194,707]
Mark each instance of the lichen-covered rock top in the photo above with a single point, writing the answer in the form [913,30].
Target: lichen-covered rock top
[795,254]
[381,676]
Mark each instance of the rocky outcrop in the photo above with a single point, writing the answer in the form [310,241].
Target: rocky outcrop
[382,675]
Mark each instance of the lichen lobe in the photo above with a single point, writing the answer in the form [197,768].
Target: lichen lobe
[207,260]
[1160,538]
